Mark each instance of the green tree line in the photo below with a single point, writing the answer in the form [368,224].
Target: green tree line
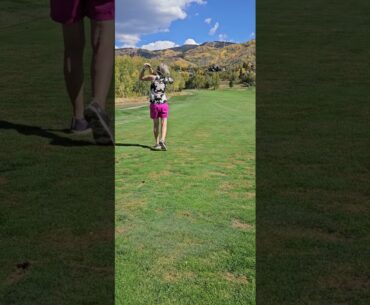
[127,83]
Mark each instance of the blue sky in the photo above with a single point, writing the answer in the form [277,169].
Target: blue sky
[158,24]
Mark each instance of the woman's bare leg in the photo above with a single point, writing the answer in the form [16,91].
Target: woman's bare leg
[74,43]
[156,130]
[102,41]
[164,130]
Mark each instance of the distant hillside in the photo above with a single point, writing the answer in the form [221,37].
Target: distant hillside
[225,54]
[191,67]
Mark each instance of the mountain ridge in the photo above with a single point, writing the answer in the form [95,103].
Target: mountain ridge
[206,54]
[187,46]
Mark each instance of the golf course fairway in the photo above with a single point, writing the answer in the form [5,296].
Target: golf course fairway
[185,218]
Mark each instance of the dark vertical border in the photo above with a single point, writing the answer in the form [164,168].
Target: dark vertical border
[56,189]
[313,152]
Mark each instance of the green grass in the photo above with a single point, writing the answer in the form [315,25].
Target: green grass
[185,218]
[313,139]
[56,212]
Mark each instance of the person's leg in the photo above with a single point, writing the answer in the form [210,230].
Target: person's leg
[102,41]
[74,43]
[163,129]
[156,130]
[162,142]
[164,121]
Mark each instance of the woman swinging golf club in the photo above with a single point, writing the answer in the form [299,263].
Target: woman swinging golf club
[158,101]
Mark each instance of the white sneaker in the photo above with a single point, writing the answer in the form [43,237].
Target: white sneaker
[163,145]
[157,147]
[100,124]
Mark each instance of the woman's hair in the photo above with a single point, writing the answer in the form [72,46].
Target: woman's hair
[163,69]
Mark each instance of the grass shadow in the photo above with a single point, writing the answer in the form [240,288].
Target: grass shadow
[135,145]
[28,130]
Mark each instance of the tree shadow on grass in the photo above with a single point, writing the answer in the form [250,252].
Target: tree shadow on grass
[44,133]
[135,145]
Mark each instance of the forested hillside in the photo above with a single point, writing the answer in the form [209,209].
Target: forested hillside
[192,66]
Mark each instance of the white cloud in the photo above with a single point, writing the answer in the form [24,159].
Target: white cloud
[252,35]
[159,45]
[222,37]
[128,40]
[214,29]
[136,18]
[208,20]
[191,41]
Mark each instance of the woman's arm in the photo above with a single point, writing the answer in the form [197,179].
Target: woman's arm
[150,77]
[169,80]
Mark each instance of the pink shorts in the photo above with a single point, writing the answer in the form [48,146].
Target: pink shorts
[159,111]
[69,11]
